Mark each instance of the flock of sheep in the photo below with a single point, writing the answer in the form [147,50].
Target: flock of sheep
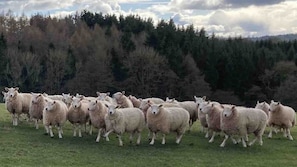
[120,113]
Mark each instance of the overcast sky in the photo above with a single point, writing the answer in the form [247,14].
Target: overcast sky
[248,18]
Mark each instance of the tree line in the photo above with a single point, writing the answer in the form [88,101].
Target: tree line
[88,52]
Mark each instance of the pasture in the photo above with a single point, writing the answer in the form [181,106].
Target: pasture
[25,146]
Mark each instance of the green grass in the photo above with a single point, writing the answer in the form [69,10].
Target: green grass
[25,146]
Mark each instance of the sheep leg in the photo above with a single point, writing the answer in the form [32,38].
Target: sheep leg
[131,137]
[79,131]
[74,130]
[51,131]
[107,134]
[138,138]
[178,138]
[243,141]
[163,139]
[224,141]
[153,138]
[289,134]
[36,124]
[120,140]
[91,130]
[207,133]
[46,130]
[212,137]
[60,131]
[270,132]
[98,136]
[233,140]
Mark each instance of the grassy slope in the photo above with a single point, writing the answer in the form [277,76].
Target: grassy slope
[26,146]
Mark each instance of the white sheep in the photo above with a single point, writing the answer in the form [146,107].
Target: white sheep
[166,120]
[281,116]
[122,100]
[85,97]
[54,114]
[190,106]
[135,101]
[53,97]
[78,114]
[17,104]
[213,112]
[106,97]
[97,112]
[5,95]
[36,107]
[122,120]
[67,99]
[243,121]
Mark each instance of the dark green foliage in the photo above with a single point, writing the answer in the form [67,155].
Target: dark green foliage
[91,52]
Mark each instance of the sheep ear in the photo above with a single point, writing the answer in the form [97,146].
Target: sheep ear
[222,106]
[6,88]
[258,102]
[204,97]
[107,93]
[3,92]
[271,101]
[17,88]
[105,105]
[32,93]
[117,106]
[233,108]
[98,93]
[123,92]
[161,105]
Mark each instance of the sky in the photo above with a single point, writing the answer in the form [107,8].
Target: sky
[246,18]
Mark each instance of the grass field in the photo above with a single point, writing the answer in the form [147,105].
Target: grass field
[25,146]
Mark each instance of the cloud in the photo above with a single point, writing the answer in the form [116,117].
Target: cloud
[219,4]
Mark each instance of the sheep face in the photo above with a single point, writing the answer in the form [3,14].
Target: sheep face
[102,96]
[206,107]
[202,105]
[76,102]
[50,105]
[144,104]
[92,105]
[155,109]
[263,106]
[228,111]
[5,95]
[35,97]
[12,92]
[67,98]
[199,100]
[111,109]
[117,95]
[274,105]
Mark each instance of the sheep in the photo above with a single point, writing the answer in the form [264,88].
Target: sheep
[166,120]
[17,103]
[67,99]
[243,121]
[137,101]
[53,97]
[281,116]
[265,107]
[84,97]
[190,106]
[213,112]
[36,107]
[122,100]
[97,112]
[106,97]
[203,118]
[5,95]
[78,114]
[54,114]
[122,120]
